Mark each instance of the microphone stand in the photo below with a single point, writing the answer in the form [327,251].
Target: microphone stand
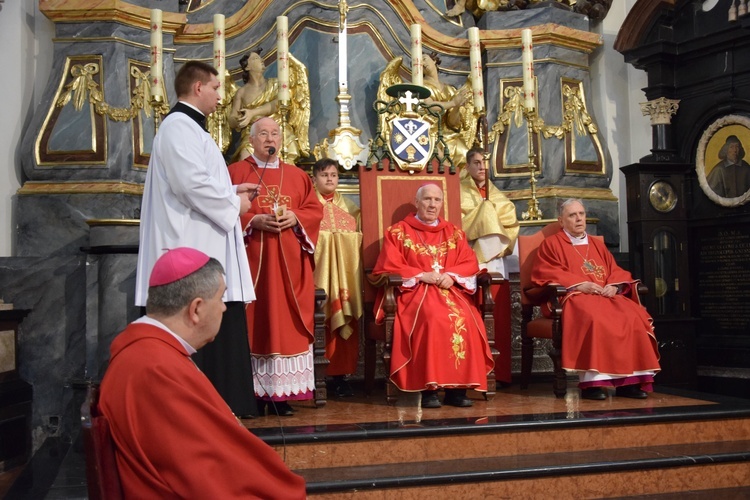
[271,152]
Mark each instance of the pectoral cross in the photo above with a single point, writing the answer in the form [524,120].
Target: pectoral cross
[436,266]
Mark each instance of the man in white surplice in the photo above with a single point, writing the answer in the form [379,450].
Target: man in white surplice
[189,201]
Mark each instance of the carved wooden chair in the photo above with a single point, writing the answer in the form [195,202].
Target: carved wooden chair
[548,326]
[386,197]
[320,362]
[544,327]
[102,476]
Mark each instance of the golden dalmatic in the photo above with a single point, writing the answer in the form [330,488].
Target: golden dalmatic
[338,270]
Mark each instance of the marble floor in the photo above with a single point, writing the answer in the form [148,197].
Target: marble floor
[537,400]
[57,470]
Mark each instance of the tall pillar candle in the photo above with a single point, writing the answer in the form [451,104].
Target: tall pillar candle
[220,57]
[529,97]
[475,59]
[282,57]
[416,55]
[157,68]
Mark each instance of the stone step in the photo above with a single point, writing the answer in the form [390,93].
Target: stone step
[367,445]
[614,472]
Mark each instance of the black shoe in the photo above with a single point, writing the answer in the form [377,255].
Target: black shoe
[261,407]
[457,397]
[280,408]
[341,387]
[596,393]
[430,399]
[631,391]
[249,416]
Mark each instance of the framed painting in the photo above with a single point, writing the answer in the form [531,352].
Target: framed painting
[723,172]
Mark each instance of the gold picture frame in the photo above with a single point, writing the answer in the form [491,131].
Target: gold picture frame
[713,149]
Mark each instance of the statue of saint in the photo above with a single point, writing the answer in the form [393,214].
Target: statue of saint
[258,98]
[459,121]
[596,10]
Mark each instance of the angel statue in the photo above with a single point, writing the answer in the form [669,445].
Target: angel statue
[258,98]
[459,122]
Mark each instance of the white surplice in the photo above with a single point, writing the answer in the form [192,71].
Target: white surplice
[189,200]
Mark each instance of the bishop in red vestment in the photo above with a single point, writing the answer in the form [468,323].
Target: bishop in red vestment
[281,229]
[439,339]
[608,337]
[174,435]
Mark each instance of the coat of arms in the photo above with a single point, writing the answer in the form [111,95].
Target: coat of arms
[410,142]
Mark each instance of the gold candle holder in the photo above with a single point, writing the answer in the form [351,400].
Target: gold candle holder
[533,213]
[157,105]
[218,125]
[284,112]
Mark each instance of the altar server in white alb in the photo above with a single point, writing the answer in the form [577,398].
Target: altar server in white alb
[189,201]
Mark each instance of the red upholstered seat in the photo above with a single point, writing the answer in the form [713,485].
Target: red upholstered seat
[548,298]
[102,477]
[386,197]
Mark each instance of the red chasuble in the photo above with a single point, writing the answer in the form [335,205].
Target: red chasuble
[175,436]
[612,336]
[280,321]
[439,339]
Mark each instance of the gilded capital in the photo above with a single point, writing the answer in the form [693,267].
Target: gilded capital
[660,110]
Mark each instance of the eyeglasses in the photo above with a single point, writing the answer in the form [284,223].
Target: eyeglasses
[265,135]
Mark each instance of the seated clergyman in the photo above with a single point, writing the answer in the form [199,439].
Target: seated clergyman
[174,435]
[439,340]
[608,337]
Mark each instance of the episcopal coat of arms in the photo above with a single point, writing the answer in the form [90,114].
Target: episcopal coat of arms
[410,142]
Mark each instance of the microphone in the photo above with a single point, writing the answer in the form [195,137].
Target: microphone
[271,151]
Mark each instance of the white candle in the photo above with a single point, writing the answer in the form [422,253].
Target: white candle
[343,77]
[282,57]
[529,97]
[220,57]
[157,69]
[416,55]
[475,58]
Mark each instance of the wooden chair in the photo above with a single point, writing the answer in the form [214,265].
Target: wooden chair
[549,326]
[386,197]
[320,362]
[102,477]
[543,327]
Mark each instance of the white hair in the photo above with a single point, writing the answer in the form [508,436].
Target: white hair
[561,206]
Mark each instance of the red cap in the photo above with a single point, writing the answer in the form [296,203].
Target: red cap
[175,264]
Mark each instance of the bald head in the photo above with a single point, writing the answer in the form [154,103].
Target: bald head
[265,135]
[429,202]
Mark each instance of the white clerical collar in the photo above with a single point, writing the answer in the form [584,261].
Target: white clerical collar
[151,321]
[583,240]
[433,223]
[191,106]
[273,164]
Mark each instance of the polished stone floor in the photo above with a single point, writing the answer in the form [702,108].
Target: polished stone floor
[57,470]
[508,402]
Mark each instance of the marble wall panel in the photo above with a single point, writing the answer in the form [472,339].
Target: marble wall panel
[109,306]
[98,39]
[52,344]
[49,224]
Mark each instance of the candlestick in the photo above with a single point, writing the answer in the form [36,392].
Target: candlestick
[282,57]
[156,54]
[220,57]
[475,58]
[529,97]
[416,55]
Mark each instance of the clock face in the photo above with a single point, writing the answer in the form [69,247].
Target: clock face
[662,196]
